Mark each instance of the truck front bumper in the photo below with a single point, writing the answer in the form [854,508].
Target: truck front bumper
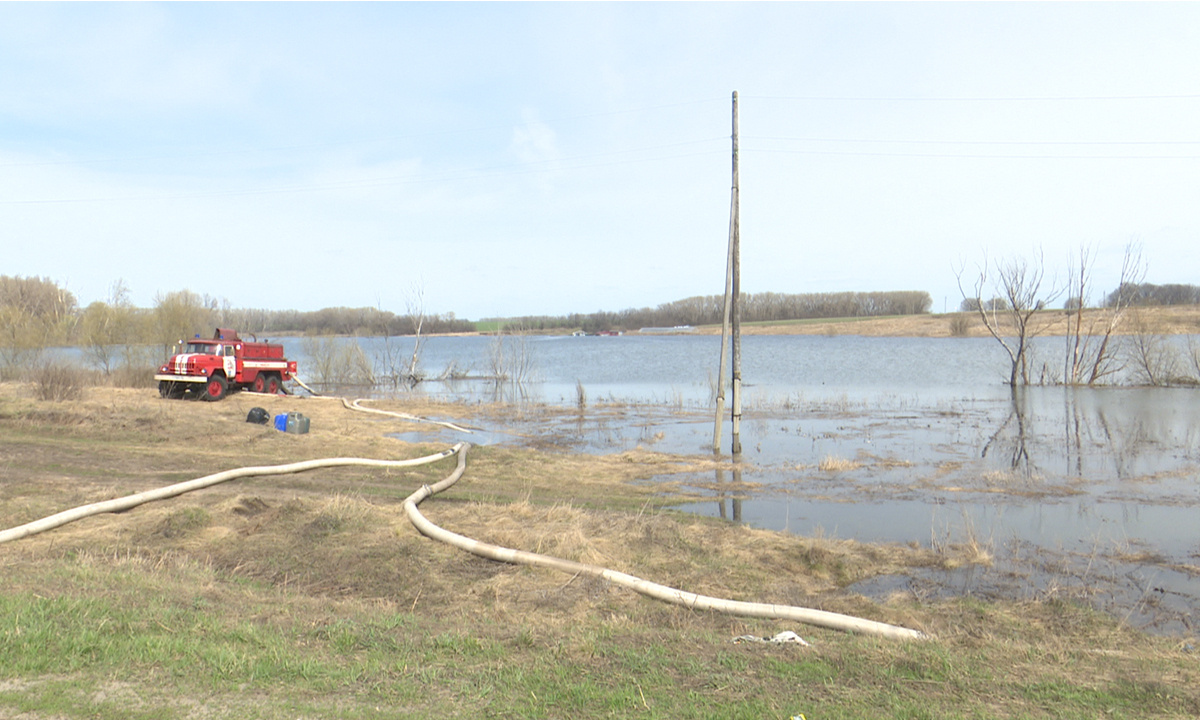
[182,378]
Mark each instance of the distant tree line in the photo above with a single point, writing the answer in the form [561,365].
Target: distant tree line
[1126,295]
[345,321]
[1146,294]
[37,314]
[756,307]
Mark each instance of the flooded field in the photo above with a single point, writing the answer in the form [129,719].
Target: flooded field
[1086,494]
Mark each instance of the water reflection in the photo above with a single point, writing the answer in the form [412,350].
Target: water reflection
[733,494]
[1081,493]
[1089,491]
[1018,450]
[508,392]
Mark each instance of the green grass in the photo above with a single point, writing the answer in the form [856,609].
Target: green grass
[70,649]
[489,326]
[123,644]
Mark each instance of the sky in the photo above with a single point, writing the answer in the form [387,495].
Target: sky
[508,159]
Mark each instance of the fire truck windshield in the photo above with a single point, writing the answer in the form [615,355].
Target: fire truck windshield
[202,348]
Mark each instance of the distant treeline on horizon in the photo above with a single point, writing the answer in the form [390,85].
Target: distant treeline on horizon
[48,313]
[700,310]
[755,307]
[37,312]
[1149,294]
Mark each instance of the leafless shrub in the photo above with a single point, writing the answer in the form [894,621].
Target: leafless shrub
[454,371]
[510,358]
[356,365]
[335,362]
[1091,353]
[1153,359]
[59,381]
[1193,356]
[960,325]
[392,367]
[135,368]
[132,376]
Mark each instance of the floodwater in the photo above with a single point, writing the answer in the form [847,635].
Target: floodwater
[1091,494]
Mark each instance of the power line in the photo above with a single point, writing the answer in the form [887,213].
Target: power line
[977,98]
[968,156]
[903,141]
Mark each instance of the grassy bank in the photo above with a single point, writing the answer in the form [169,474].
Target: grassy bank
[311,596]
[1167,320]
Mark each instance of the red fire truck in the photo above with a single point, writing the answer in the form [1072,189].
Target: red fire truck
[213,368]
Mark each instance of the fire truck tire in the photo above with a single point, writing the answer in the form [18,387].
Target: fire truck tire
[272,385]
[260,383]
[216,388]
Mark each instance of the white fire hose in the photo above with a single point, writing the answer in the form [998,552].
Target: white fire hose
[819,618]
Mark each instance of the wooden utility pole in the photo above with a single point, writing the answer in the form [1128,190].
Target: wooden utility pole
[735,297]
[731,313]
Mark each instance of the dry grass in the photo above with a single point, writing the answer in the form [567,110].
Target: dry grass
[341,530]
[961,546]
[832,463]
[327,562]
[60,381]
[1179,319]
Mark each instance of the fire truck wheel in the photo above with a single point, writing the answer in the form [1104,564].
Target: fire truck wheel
[260,383]
[216,388]
[273,385]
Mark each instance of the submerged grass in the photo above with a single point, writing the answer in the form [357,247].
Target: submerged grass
[312,596]
[832,463]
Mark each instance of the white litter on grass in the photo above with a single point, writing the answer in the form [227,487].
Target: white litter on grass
[787,636]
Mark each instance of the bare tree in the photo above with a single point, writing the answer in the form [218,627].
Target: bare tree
[1154,359]
[1010,316]
[415,305]
[97,331]
[1091,355]
[510,359]
[35,313]
[179,315]
[1193,357]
